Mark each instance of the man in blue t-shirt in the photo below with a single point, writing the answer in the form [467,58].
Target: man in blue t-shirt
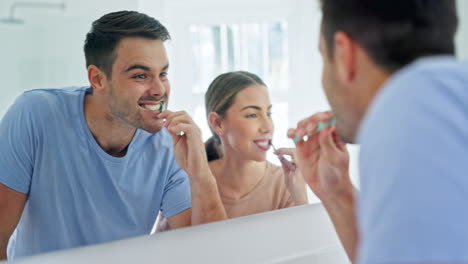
[394,87]
[85,165]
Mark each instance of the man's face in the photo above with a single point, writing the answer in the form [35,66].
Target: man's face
[339,94]
[139,82]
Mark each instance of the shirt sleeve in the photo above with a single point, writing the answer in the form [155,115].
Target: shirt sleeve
[18,137]
[414,146]
[177,194]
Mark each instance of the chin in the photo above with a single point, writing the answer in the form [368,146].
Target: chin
[153,128]
[259,158]
[346,136]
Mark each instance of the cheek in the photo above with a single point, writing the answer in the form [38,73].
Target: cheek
[328,83]
[167,86]
[240,132]
[325,82]
[325,75]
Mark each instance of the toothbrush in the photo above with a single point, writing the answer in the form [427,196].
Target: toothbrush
[320,126]
[283,160]
[162,106]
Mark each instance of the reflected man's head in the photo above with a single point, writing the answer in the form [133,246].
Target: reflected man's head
[127,68]
[107,32]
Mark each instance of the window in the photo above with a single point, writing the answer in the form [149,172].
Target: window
[261,48]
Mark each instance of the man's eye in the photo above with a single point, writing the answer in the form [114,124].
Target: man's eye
[140,76]
[163,74]
[269,114]
[251,116]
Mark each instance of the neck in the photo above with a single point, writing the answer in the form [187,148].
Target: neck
[373,85]
[236,177]
[371,81]
[111,135]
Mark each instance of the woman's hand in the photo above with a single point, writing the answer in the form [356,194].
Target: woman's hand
[292,176]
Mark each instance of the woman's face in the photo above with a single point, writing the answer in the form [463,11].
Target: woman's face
[247,126]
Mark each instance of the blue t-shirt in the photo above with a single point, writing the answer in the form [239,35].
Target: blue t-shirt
[413,205]
[77,193]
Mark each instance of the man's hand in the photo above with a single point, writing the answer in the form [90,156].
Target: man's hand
[190,154]
[323,158]
[189,149]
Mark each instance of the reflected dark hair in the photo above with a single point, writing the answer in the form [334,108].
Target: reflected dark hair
[220,96]
[108,31]
[394,33]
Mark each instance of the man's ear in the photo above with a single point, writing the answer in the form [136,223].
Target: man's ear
[97,78]
[214,120]
[345,56]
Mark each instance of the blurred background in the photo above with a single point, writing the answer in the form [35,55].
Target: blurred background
[41,46]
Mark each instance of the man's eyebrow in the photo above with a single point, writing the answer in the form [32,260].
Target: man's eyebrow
[143,67]
[138,66]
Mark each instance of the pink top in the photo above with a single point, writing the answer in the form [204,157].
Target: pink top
[269,194]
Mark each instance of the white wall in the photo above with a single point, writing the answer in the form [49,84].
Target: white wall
[462,36]
[46,51]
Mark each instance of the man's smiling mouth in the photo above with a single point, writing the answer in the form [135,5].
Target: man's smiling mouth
[157,107]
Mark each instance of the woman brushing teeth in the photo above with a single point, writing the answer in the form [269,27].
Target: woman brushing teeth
[239,114]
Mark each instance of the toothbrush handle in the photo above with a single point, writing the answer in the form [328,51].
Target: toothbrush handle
[287,163]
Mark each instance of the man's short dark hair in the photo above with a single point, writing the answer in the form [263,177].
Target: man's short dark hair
[107,31]
[393,32]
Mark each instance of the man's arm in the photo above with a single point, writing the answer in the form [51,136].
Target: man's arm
[342,212]
[324,162]
[206,201]
[206,205]
[190,154]
[181,219]
[11,208]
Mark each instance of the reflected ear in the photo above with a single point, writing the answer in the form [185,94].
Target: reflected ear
[215,122]
[345,56]
[97,78]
